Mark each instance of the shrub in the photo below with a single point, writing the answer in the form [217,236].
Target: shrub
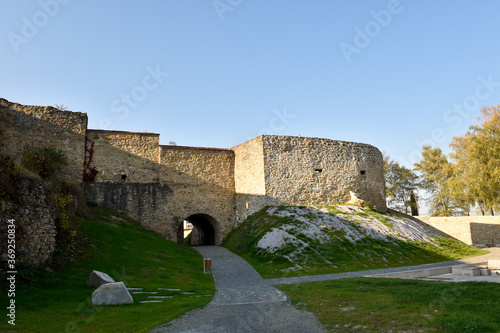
[46,162]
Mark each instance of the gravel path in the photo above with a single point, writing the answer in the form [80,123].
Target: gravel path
[245,302]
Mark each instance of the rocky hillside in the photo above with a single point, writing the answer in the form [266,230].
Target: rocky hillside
[308,240]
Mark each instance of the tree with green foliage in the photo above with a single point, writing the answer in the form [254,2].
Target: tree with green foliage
[476,159]
[413,204]
[435,171]
[400,182]
[462,199]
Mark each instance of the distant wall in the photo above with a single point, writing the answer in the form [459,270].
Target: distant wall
[44,126]
[313,171]
[125,156]
[473,230]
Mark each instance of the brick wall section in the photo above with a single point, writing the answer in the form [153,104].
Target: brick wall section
[117,153]
[476,230]
[44,126]
[304,171]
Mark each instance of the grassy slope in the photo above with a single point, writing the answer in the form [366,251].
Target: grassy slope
[61,301]
[343,255]
[385,305]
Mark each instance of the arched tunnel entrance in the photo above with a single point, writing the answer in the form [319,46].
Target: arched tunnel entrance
[205,229]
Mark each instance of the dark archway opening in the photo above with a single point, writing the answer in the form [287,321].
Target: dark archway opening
[204,230]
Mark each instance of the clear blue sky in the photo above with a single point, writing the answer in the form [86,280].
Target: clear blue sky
[216,73]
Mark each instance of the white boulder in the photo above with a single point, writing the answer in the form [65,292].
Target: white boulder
[114,293]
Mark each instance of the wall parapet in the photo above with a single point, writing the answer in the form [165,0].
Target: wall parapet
[194,148]
[121,132]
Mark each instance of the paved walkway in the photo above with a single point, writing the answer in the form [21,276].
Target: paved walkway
[494,254]
[244,302]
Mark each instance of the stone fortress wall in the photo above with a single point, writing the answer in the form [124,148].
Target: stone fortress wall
[215,189]
[128,156]
[313,171]
[22,125]
[273,170]
[45,126]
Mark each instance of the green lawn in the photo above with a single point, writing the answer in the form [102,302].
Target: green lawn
[61,301]
[385,305]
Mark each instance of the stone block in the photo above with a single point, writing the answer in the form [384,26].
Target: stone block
[112,294]
[471,271]
[97,278]
[485,271]
[457,269]
[494,264]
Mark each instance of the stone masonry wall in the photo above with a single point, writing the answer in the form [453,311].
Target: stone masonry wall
[163,185]
[202,181]
[473,230]
[162,207]
[313,171]
[125,156]
[249,167]
[249,179]
[206,165]
[44,126]
[34,220]
[187,181]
